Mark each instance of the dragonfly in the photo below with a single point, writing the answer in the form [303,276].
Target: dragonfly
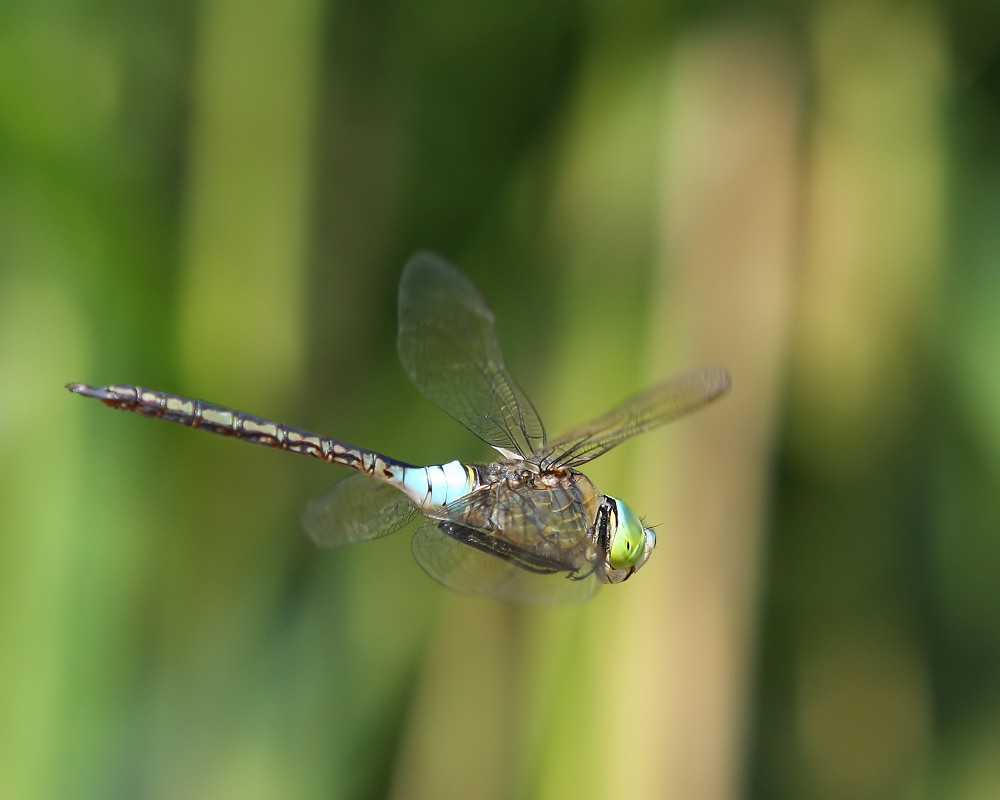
[528,527]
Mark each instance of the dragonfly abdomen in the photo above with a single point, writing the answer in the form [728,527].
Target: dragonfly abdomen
[228,422]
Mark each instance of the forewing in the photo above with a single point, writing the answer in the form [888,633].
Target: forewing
[356,509]
[465,569]
[674,398]
[449,350]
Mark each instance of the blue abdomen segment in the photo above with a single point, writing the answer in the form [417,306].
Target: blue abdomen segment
[432,488]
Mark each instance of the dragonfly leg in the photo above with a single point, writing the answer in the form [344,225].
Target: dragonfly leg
[495,546]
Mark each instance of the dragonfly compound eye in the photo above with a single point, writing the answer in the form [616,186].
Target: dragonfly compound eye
[627,537]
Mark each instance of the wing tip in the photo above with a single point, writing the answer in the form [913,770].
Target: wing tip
[720,379]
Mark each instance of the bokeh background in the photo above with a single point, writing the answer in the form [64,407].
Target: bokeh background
[217,199]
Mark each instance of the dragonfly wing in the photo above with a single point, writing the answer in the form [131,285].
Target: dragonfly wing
[671,399]
[356,509]
[448,347]
[453,562]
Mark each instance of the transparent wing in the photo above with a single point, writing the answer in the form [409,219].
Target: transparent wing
[674,398]
[465,568]
[356,509]
[448,347]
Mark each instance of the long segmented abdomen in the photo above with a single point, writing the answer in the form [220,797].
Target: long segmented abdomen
[430,488]
[228,422]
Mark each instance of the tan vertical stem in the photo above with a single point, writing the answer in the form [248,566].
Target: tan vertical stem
[729,222]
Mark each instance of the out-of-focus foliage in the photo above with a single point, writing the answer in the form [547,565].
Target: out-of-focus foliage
[217,199]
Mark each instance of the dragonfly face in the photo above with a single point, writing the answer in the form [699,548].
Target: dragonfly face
[627,545]
[526,528]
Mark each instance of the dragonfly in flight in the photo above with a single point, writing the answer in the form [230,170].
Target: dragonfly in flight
[527,527]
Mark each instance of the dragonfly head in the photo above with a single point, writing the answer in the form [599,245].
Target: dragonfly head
[624,542]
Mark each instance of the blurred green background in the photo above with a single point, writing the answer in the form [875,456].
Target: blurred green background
[217,199]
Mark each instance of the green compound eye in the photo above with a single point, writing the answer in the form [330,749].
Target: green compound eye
[628,537]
